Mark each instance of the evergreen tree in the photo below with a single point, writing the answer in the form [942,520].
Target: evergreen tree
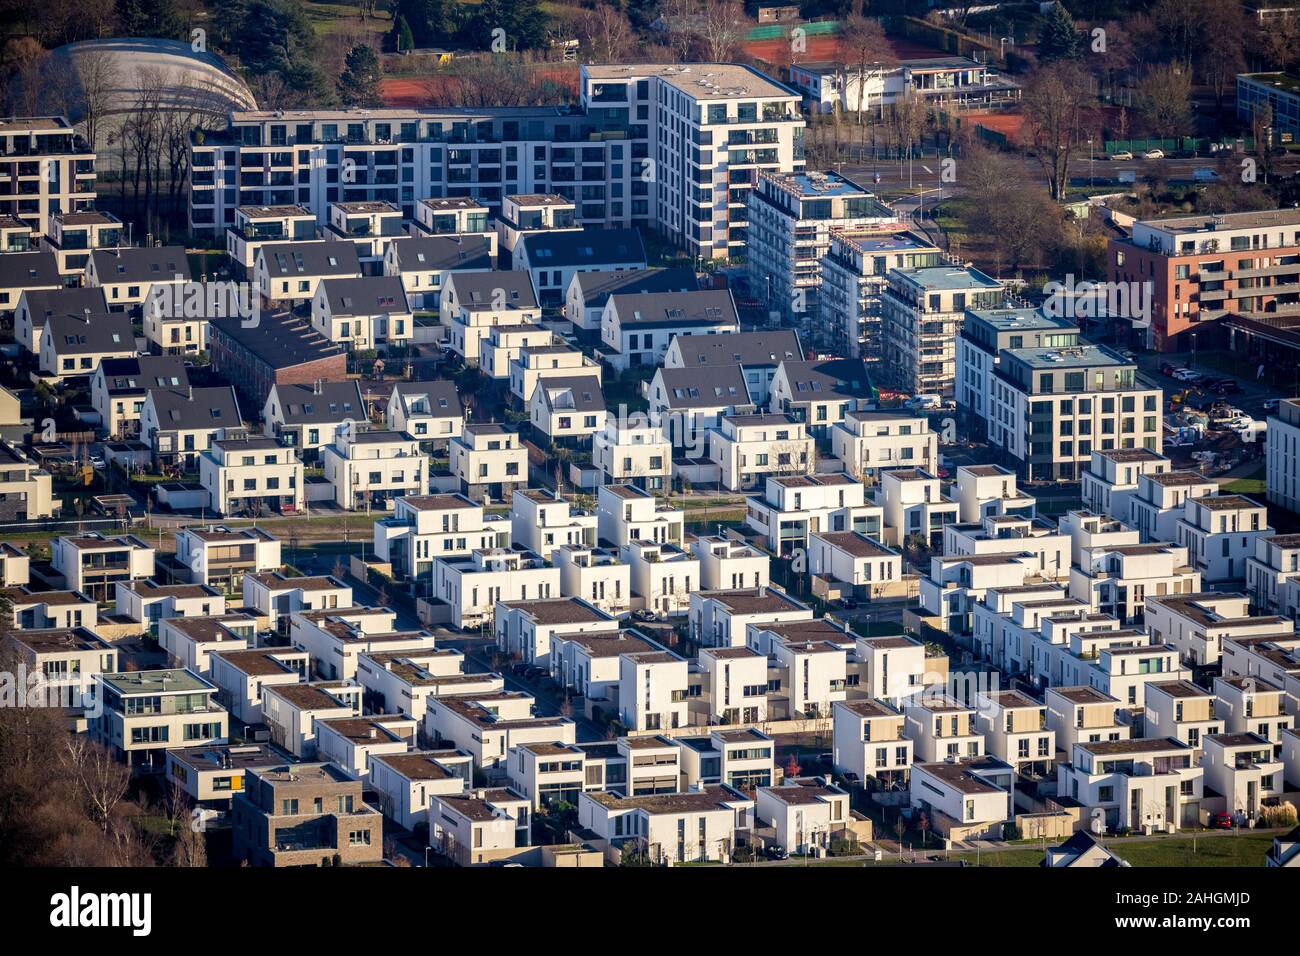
[359,84]
[522,21]
[149,18]
[1058,39]
[405,38]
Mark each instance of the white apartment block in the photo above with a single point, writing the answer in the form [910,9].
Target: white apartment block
[1116,579]
[869,745]
[814,675]
[1245,770]
[963,796]
[290,711]
[336,637]
[275,596]
[221,556]
[144,713]
[94,564]
[1272,574]
[1145,785]
[635,453]
[942,728]
[705,825]
[542,521]
[241,676]
[866,566]
[956,584]
[894,669]
[424,528]
[371,469]
[597,575]
[1197,625]
[403,682]
[1161,502]
[408,783]
[914,505]
[525,629]
[488,725]
[1219,532]
[473,587]
[1112,478]
[722,618]
[869,442]
[627,514]
[748,448]
[652,690]
[1253,705]
[727,563]
[664,577]
[256,476]
[1181,710]
[735,684]
[489,459]
[790,509]
[1008,534]
[1283,455]
[1016,731]
[352,742]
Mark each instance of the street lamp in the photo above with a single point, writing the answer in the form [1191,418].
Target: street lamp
[1002,47]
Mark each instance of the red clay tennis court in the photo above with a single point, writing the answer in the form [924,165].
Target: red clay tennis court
[406,92]
[1008,124]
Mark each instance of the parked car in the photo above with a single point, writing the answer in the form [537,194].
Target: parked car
[1221,821]
[1154,154]
[1168,368]
[777,853]
[848,603]
[97,463]
[1122,154]
[1227,387]
[1270,405]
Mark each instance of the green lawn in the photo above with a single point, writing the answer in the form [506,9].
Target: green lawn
[1255,484]
[1246,849]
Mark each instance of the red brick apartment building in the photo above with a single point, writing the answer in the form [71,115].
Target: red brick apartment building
[1202,268]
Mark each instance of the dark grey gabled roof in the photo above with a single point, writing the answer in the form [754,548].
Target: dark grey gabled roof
[478,290]
[126,376]
[369,295]
[42,303]
[320,258]
[839,378]
[581,393]
[283,340]
[90,334]
[585,247]
[443,402]
[597,287]
[443,253]
[320,403]
[195,408]
[29,270]
[704,387]
[141,264]
[705,306]
[751,349]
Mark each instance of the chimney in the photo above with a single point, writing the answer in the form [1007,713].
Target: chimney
[318,386]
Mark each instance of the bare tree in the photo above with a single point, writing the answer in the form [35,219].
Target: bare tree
[1055,99]
[1164,97]
[723,25]
[863,39]
[607,33]
[679,23]
[100,780]
[97,77]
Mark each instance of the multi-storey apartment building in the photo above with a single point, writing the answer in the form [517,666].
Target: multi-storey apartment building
[791,216]
[1191,270]
[621,156]
[258,227]
[708,130]
[93,564]
[1112,477]
[1050,407]
[922,311]
[983,336]
[854,274]
[46,168]
[1283,455]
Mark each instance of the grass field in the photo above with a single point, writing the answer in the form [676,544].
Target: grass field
[1255,484]
[1246,849]
[327,18]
